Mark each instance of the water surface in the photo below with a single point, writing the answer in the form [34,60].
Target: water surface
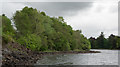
[106,57]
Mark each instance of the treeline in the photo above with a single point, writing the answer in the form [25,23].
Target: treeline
[40,32]
[112,42]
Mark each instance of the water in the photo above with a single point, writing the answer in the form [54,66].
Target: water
[106,57]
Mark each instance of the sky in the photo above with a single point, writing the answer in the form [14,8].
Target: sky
[90,17]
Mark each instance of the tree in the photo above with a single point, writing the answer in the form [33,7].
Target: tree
[100,40]
[54,33]
[43,13]
[31,41]
[7,30]
[6,25]
[93,43]
[81,41]
[118,42]
[112,41]
[26,20]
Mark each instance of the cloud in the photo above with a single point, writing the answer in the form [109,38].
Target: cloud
[10,8]
[61,8]
[99,18]
[51,8]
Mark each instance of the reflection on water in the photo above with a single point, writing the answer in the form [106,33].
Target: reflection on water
[106,57]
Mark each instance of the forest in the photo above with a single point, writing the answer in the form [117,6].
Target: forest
[39,32]
[112,42]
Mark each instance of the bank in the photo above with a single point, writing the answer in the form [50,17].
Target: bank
[16,54]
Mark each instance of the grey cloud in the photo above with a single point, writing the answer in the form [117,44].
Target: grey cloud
[114,9]
[60,8]
[95,31]
[9,8]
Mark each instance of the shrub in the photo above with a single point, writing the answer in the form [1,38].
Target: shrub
[31,41]
[7,37]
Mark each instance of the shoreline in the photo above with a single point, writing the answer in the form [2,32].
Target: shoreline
[69,52]
[14,54]
[107,49]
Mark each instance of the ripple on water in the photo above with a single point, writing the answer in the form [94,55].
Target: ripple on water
[106,57]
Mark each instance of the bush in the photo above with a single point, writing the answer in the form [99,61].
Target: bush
[86,44]
[31,41]
[6,30]
[66,46]
[8,37]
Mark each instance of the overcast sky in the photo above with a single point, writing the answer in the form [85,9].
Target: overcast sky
[90,17]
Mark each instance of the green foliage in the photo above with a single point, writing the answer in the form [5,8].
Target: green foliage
[31,41]
[101,40]
[40,32]
[0,31]
[81,41]
[118,43]
[66,47]
[26,20]
[113,42]
[6,38]
[6,25]
[7,30]
[43,13]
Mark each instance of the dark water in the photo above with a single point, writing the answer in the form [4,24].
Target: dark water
[106,57]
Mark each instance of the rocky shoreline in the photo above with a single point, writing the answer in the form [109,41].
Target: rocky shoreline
[16,54]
